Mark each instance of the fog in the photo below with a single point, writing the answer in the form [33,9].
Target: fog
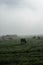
[22,17]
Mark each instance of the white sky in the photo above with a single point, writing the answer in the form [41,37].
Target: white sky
[21,17]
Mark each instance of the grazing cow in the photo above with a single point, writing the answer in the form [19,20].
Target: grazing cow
[38,37]
[23,41]
[34,37]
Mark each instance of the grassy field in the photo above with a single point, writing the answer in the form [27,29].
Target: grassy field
[13,53]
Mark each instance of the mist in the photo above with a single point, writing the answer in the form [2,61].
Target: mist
[21,17]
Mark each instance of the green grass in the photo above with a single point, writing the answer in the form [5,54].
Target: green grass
[13,53]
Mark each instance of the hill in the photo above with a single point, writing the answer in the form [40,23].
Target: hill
[13,53]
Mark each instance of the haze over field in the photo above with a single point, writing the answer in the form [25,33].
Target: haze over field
[21,17]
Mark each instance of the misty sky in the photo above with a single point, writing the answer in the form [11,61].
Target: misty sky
[21,17]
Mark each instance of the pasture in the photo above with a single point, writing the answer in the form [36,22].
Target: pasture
[13,53]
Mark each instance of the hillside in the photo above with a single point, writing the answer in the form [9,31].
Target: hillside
[13,53]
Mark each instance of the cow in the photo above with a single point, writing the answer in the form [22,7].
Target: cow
[38,37]
[23,41]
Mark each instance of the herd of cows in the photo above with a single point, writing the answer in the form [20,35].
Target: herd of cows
[22,40]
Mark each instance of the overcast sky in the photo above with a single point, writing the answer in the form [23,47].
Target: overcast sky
[21,17]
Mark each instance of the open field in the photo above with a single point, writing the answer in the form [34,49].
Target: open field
[13,53]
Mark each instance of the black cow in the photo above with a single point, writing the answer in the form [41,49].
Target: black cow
[38,37]
[23,41]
